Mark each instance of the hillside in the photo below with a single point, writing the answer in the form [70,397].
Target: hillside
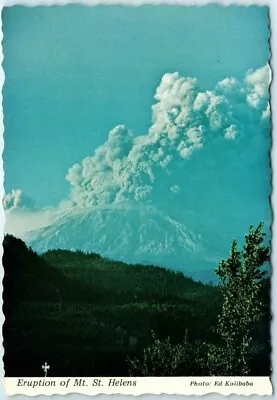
[84,314]
[133,233]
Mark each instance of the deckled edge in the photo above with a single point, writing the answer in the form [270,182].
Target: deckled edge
[272,152]
[135,3]
[2,215]
[272,197]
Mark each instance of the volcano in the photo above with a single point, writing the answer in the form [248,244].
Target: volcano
[133,234]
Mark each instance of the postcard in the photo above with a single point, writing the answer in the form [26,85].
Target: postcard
[137,208]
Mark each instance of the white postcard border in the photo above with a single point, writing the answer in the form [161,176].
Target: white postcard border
[8,382]
[138,386]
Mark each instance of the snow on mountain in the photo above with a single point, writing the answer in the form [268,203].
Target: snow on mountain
[134,234]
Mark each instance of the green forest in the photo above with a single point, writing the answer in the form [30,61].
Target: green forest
[89,316]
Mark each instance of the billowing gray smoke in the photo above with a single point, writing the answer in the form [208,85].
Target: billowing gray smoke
[185,121]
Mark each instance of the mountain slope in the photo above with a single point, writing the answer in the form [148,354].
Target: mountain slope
[134,234]
[83,314]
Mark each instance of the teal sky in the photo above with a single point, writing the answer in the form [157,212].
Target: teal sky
[72,73]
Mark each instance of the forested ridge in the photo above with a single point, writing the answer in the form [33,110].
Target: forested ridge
[89,316]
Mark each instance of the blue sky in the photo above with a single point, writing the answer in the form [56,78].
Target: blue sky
[73,73]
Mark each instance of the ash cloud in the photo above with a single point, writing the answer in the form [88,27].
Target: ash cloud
[23,216]
[17,199]
[190,127]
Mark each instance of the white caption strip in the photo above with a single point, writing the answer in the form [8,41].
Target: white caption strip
[139,386]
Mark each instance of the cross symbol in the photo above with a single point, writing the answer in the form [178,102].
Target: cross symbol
[45,367]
